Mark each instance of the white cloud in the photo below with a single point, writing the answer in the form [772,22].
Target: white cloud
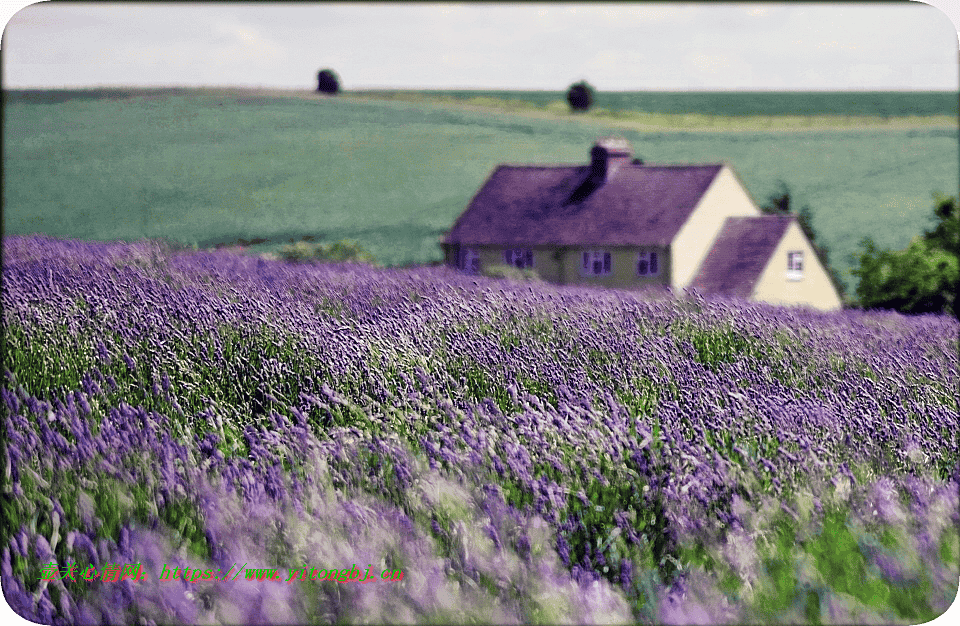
[245,43]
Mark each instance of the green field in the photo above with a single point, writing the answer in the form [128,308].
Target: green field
[214,167]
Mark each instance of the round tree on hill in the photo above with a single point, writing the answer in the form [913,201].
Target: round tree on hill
[328,82]
[580,96]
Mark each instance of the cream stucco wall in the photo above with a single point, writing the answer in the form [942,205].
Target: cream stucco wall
[814,289]
[726,197]
[623,266]
[562,265]
[544,261]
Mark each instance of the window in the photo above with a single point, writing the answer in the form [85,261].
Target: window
[595,263]
[470,261]
[518,258]
[648,264]
[794,265]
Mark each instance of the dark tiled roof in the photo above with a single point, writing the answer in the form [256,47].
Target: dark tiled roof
[739,254]
[559,205]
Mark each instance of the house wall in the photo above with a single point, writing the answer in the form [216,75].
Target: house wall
[562,265]
[814,289]
[623,268]
[726,197]
[544,261]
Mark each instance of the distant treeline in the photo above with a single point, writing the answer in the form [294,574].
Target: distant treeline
[730,103]
[56,96]
[739,103]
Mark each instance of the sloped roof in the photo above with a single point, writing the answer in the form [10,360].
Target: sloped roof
[561,205]
[740,253]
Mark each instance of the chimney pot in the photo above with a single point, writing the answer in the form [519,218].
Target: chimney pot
[607,156]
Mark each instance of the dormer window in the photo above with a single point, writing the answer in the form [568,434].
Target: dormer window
[519,258]
[596,263]
[648,264]
[795,265]
[470,261]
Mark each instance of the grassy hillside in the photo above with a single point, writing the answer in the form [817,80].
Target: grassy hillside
[519,453]
[713,111]
[208,167]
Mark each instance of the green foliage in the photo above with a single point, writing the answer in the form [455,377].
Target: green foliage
[337,252]
[44,371]
[478,386]
[946,234]
[950,549]
[716,346]
[924,277]
[511,273]
[839,558]
[595,536]
[580,96]
[328,82]
[640,399]
[541,389]
[840,566]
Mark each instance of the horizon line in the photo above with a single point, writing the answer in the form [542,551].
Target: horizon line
[462,88]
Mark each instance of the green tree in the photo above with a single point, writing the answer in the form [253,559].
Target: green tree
[923,278]
[580,96]
[946,234]
[779,203]
[328,82]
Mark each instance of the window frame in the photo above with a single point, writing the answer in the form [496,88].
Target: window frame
[653,258]
[470,260]
[590,258]
[795,265]
[526,255]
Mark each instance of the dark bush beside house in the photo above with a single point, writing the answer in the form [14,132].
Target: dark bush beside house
[580,96]
[328,82]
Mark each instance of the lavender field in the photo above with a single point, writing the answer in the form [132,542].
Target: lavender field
[524,453]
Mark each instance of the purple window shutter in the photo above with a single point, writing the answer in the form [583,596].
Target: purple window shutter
[606,262]
[653,262]
[642,268]
[586,260]
[529,257]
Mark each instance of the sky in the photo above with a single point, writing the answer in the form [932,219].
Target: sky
[616,47]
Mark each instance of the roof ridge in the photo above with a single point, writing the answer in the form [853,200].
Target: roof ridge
[765,215]
[644,165]
[648,164]
[545,165]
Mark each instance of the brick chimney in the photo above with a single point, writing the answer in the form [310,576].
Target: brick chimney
[607,156]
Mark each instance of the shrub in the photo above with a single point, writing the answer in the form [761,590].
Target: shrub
[923,278]
[580,96]
[342,251]
[328,82]
[512,273]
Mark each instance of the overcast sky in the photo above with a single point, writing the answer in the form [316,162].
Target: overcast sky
[627,46]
